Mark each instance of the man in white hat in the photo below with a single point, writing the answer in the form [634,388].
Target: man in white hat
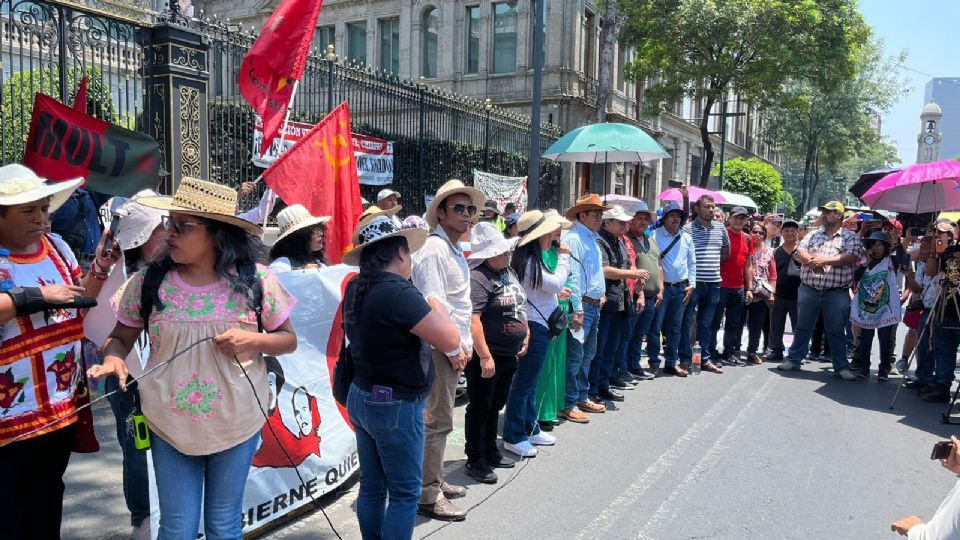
[41,328]
[442,274]
[388,199]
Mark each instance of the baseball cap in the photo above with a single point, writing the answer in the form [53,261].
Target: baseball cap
[510,206]
[739,211]
[384,193]
[671,206]
[896,224]
[491,205]
[835,206]
[790,223]
[617,213]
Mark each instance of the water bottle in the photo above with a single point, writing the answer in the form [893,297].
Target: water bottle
[6,270]
[695,363]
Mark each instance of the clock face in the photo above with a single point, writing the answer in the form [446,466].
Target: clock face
[929,139]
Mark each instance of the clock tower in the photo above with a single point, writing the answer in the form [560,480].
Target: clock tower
[928,141]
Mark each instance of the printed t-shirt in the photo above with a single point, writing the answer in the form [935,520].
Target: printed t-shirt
[731,270]
[499,300]
[40,359]
[201,403]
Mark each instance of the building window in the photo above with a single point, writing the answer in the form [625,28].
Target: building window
[533,27]
[390,45]
[473,39]
[357,42]
[621,61]
[505,17]
[325,35]
[588,52]
[428,44]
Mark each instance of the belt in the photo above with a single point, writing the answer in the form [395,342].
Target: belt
[590,301]
[683,284]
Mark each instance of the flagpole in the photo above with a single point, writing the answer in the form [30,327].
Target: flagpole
[283,133]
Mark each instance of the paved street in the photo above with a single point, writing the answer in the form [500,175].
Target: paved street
[752,453]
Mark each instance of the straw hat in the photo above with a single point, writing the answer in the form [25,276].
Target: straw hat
[453,187]
[487,242]
[617,213]
[296,217]
[533,224]
[20,185]
[137,222]
[203,199]
[590,201]
[377,227]
[374,210]
[553,215]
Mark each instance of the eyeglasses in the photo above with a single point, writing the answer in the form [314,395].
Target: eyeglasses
[178,225]
[463,209]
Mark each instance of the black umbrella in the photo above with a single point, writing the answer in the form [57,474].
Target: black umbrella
[868,179]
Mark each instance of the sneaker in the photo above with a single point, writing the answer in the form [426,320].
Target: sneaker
[641,375]
[902,365]
[860,374]
[882,376]
[542,439]
[573,415]
[620,384]
[846,375]
[481,472]
[787,365]
[497,461]
[522,449]
[893,371]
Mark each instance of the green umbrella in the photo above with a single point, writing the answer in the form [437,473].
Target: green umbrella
[606,143]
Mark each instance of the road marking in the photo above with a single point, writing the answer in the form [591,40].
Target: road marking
[630,496]
[708,458]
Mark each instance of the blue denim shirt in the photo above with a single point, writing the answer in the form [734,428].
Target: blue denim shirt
[586,272]
[681,262]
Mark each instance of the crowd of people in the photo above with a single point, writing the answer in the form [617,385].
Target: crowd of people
[549,315]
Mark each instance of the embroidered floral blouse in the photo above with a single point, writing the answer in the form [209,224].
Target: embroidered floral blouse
[202,403]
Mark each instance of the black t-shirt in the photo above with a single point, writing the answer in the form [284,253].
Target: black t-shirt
[950,283]
[384,351]
[613,254]
[788,274]
[499,300]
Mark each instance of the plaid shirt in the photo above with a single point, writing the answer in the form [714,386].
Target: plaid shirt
[840,243]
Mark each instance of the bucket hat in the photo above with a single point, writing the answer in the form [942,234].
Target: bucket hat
[486,242]
[137,222]
[295,217]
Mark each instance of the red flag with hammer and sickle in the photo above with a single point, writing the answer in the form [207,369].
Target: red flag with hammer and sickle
[276,59]
[320,172]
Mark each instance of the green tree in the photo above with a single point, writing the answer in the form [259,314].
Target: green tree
[757,179]
[706,49]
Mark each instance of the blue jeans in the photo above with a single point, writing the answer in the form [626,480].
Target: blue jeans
[946,339]
[703,304]
[135,482]
[520,419]
[390,440]
[865,347]
[645,325]
[579,357]
[834,305]
[608,339]
[732,304]
[670,316]
[216,481]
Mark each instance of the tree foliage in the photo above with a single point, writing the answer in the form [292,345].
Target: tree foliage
[756,179]
[706,49]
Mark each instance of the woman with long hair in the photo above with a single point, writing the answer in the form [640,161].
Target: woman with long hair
[521,433]
[301,240]
[765,283]
[205,401]
[390,328]
[553,378]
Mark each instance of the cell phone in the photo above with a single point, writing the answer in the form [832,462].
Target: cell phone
[382,394]
[941,450]
[916,231]
[108,245]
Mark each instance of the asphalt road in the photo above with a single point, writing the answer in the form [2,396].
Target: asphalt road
[752,453]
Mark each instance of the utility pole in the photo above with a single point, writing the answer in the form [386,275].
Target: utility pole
[533,166]
[723,114]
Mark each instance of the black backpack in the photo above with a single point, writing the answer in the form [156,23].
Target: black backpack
[150,292]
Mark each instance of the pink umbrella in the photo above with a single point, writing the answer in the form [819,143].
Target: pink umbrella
[673,194]
[920,188]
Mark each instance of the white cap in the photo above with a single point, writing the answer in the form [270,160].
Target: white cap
[137,221]
[384,193]
[617,213]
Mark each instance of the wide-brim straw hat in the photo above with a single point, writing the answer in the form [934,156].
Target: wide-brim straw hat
[137,222]
[377,227]
[487,241]
[554,215]
[453,187]
[203,199]
[587,203]
[296,217]
[374,210]
[20,185]
[533,224]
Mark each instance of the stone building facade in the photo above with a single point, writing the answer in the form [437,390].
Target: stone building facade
[484,49]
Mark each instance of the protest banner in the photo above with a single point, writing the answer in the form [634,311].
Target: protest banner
[65,143]
[291,136]
[502,189]
[374,160]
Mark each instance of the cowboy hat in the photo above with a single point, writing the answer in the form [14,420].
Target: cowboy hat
[487,242]
[374,210]
[20,185]
[296,217]
[533,224]
[377,227]
[203,199]
[590,201]
[137,222]
[452,187]
[553,215]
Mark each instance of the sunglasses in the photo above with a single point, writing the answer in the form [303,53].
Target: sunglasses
[178,225]
[463,209]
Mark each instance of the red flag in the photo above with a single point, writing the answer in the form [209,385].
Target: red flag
[80,98]
[276,59]
[320,172]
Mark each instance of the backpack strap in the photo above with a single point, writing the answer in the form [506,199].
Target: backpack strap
[248,275]
[150,292]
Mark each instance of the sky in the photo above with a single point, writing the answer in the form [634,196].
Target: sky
[927,30]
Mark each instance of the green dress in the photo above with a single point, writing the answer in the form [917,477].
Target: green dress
[553,378]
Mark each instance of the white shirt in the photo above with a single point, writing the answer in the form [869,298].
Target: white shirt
[945,523]
[441,271]
[544,299]
[930,286]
